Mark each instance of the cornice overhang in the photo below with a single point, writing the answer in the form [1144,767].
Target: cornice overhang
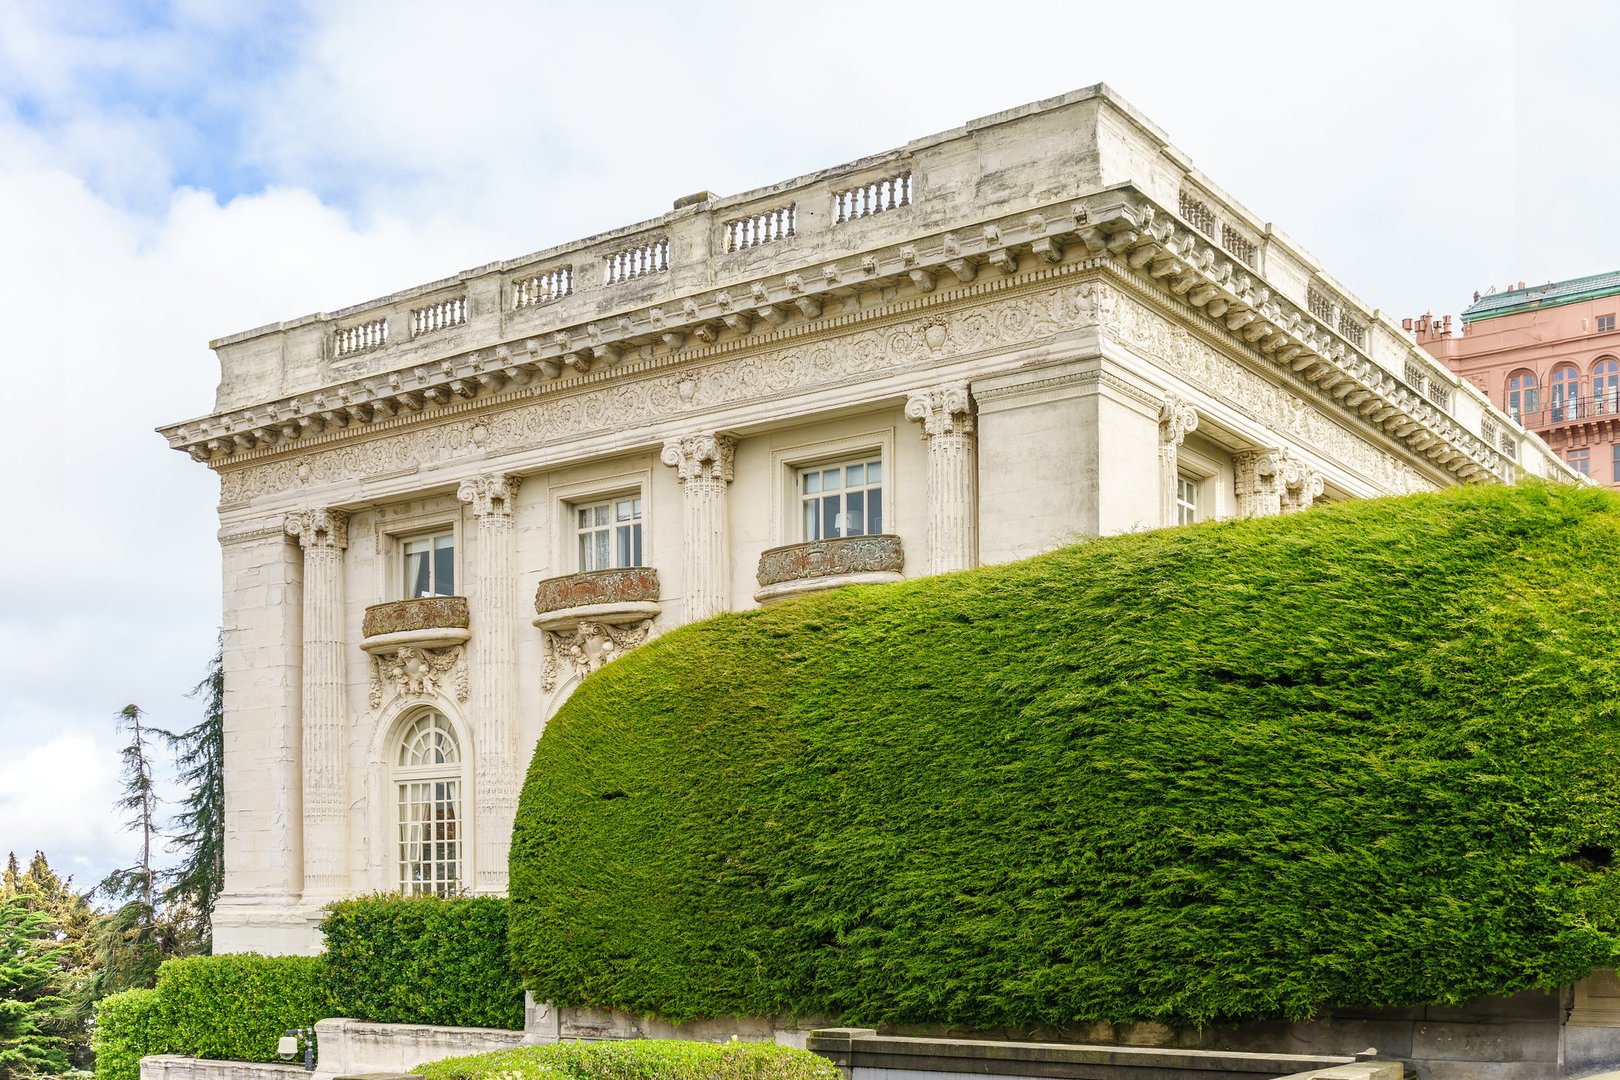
[1119,223]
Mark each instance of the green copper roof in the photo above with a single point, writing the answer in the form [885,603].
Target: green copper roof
[1552,294]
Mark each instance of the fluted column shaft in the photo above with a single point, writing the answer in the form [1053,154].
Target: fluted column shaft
[946,415]
[704,464]
[494,702]
[324,534]
[1176,419]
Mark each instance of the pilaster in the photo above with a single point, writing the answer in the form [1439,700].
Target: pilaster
[324,534]
[494,674]
[1258,482]
[704,464]
[1176,419]
[946,415]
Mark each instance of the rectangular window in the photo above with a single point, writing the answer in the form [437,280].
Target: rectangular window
[1580,461]
[610,534]
[1186,499]
[430,565]
[1605,323]
[842,500]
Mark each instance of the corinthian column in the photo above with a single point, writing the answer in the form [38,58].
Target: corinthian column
[1176,419]
[494,671]
[1258,482]
[323,534]
[946,414]
[704,464]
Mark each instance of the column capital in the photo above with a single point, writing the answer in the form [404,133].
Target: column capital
[1176,420]
[943,410]
[490,495]
[702,457]
[319,529]
[1302,486]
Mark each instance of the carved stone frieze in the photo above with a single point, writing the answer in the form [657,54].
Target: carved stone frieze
[823,558]
[587,648]
[418,672]
[425,613]
[829,361]
[1181,352]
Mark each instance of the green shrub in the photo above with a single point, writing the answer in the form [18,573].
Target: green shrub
[637,1059]
[1361,756]
[422,960]
[234,1007]
[128,1027]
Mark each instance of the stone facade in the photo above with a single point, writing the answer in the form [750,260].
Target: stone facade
[1041,326]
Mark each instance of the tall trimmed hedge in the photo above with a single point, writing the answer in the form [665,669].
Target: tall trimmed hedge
[1361,756]
[230,1008]
[422,960]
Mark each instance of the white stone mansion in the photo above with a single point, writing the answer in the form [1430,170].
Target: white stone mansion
[440,510]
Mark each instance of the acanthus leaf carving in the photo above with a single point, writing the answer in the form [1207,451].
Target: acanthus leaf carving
[588,648]
[418,672]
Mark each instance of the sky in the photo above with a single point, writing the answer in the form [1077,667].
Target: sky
[173,172]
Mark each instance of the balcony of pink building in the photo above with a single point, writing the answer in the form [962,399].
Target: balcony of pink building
[1569,410]
[432,622]
[609,597]
[796,569]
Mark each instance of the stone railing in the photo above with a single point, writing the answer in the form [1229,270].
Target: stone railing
[543,288]
[872,197]
[609,596]
[764,227]
[440,316]
[627,264]
[426,613]
[372,334]
[827,564]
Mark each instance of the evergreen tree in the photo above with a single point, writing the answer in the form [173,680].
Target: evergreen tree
[29,956]
[73,928]
[133,940]
[199,752]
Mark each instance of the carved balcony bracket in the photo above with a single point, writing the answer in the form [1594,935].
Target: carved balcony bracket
[587,619]
[417,647]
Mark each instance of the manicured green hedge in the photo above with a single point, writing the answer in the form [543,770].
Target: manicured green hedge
[1361,756]
[639,1059]
[422,960]
[128,1027]
[230,1007]
[234,1007]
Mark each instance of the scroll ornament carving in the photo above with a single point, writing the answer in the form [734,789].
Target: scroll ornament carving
[702,457]
[587,649]
[1176,420]
[490,495]
[824,361]
[418,672]
[947,410]
[1301,486]
[319,529]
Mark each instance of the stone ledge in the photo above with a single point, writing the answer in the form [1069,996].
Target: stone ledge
[611,597]
[426,613]
[880,553]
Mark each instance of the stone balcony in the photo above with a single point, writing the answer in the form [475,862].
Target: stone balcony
[432,622]
[796,569]
[607,597]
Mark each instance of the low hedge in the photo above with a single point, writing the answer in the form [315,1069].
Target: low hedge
[637,1059]
[128,1027]
[1361,756]
[230,1008]
[422,960]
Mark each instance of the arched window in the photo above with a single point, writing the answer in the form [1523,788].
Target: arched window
[1521,397]
[427,777]
[1606,385]
[1566,384]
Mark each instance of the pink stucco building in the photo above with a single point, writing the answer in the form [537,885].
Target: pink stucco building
[1549,356]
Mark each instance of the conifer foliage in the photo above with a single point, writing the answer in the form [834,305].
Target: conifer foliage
[199,826]
[1359,756]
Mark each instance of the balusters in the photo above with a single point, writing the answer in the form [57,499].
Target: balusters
[440,316]
[873,197]
[543,288]
[651,257]
[360,338]
[765,227]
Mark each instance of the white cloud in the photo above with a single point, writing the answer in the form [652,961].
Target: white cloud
[57,798]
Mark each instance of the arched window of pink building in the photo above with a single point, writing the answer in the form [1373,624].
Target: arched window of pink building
[1566,385]
[1521,397]
[1606,385]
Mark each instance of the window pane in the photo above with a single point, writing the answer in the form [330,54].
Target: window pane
[444,570]
[812,483]
[635,531]
[874,508]
[601,552]
[874,472]
[854,475]
[601,514]
[585,518]
[811,520]
[416,574]
[855,513]
[830,506]
[830,480]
